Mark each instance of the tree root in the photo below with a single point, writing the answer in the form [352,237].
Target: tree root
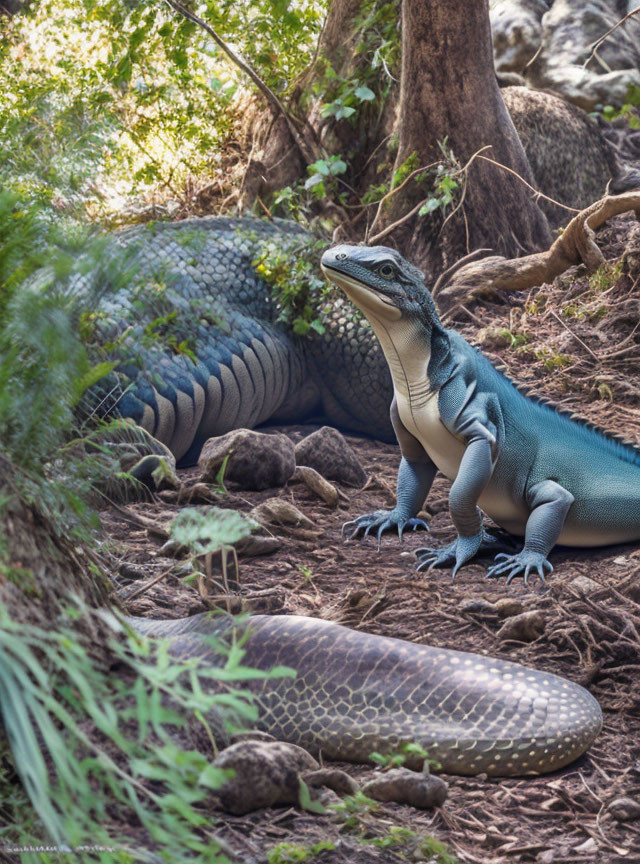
[576,245]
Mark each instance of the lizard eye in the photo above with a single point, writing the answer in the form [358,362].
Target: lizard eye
[387,271]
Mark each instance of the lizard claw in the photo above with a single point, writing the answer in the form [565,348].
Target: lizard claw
[523,563]
[380,521]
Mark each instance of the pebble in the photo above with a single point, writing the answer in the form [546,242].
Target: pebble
[524,627]
[332,778]
[317,483]
[408,787]
[276,512]
[507,607]
[624,809]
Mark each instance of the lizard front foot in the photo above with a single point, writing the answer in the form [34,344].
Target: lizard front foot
[380,521]
[524,563]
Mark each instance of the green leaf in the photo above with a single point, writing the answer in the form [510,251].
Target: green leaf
[429,206]
[99,371]
[337,166]
[364,94]
[344,111]
[314,180]
[305,801]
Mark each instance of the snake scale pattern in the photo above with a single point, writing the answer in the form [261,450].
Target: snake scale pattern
[356,693]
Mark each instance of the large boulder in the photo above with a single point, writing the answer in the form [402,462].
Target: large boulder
[569,30]
[516,26]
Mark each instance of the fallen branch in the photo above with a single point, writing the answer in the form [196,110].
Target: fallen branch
[576,245]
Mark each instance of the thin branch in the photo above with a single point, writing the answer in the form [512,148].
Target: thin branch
[595,45]
[528,185]
[264,88]
[397,223]
[396,189]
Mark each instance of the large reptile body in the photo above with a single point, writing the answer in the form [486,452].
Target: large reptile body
[536,472]
[355,694]
[243,365]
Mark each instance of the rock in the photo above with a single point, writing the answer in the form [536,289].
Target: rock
[256,461]
[506,607]
[266,773]
[624,809]
[408,787]
[584,585]
[524,627]
[199,493]
[257,544]
[317,483]
[158,473]
[517,30]
[276,512]
[478,607]
[328,452]
[569,29]
[333,778]
[588,847]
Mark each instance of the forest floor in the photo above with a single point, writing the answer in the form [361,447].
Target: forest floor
[591,637]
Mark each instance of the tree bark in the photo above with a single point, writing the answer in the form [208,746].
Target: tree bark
[449,92]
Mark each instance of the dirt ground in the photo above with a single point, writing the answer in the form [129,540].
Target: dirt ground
[592,638]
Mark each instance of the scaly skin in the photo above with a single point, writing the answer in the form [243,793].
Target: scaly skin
[249,366]
[355,694]
[536,472]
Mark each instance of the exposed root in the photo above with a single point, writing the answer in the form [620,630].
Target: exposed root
[576,245]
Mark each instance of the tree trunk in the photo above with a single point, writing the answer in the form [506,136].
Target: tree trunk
[449,92]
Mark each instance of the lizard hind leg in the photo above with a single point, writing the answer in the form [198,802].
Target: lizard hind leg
[549,504]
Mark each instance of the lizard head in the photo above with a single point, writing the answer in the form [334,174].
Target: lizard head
[380,282]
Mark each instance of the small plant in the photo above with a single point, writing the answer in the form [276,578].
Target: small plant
[407,752]
[290,853]
[353,809]
[298,288]
[605,276]
[306,572]
[323,174]
[207,531]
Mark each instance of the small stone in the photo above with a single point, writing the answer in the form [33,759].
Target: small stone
[588,846]
[624,809]
[173,549]
[276,512]
[584,585]
[257,544]
[408,787]
[318,484]
[328,452]
[621,561]
[524,627]
[156,472]
[478,607]
[333,778]
[547,857]
[507,607]
[256,461]
[266,773]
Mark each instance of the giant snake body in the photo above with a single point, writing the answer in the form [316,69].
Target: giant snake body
[355,694]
